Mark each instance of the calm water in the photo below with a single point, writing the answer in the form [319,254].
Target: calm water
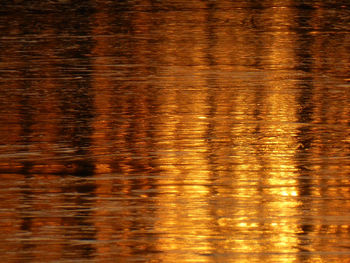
[175,131]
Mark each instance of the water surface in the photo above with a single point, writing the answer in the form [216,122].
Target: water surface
[175,131]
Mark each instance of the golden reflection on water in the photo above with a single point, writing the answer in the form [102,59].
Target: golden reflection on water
[188,132]
[259,202]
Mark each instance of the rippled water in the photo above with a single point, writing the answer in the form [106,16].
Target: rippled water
[175,131]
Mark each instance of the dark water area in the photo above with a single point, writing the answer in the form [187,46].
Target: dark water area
[175,131]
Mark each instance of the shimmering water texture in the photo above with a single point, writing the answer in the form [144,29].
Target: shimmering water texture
[175,131]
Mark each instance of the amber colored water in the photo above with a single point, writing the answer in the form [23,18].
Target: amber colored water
[175,131]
